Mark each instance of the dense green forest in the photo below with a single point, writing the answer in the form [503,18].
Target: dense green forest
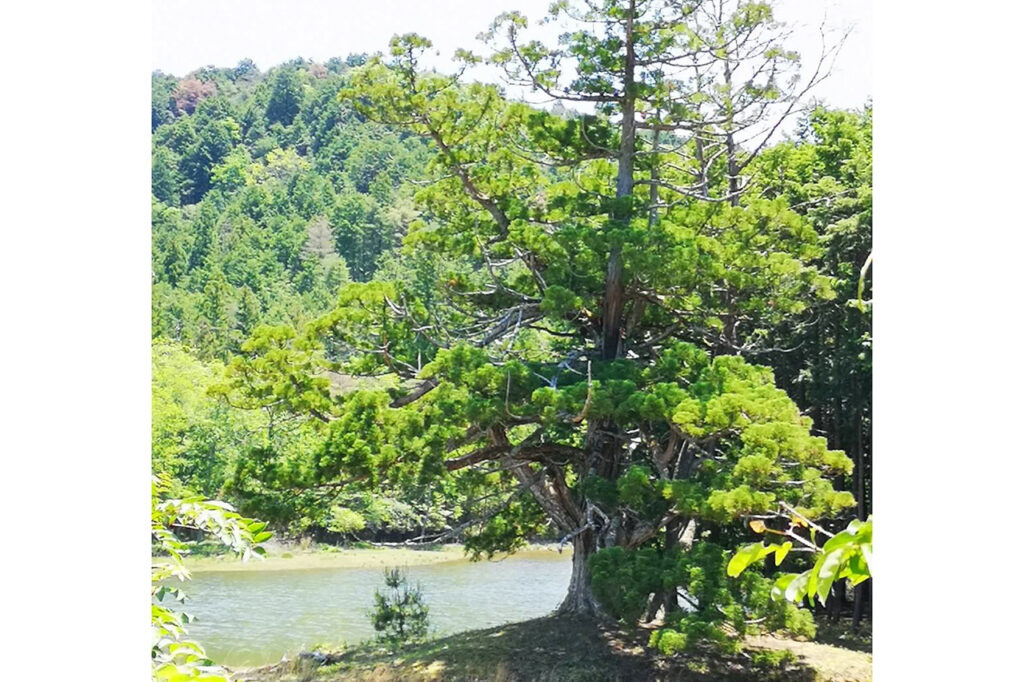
[268,195]
[396,304]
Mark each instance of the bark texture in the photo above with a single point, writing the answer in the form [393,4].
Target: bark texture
[579,598]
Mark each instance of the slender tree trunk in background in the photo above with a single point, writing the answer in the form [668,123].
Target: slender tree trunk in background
[837,597]
[673,529]
[814,392]
[860,490]
[860,591]
[838,438]
[837,600]
[652,214]
[731,148]
[861,598]
[858,603]
[831,387]
[734,181]
[580,598]
[839,441]
[698,145]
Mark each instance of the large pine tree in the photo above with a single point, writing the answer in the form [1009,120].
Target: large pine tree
[579,344]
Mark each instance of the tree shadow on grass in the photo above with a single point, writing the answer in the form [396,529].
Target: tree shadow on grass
[556,648]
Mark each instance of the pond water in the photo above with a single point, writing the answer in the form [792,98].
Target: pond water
[248,618]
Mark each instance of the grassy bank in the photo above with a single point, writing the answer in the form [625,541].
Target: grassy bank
[283,557]
[565,649]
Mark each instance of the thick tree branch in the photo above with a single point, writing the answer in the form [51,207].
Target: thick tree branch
[421,390]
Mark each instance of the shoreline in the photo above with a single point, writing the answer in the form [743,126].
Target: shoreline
[282,557]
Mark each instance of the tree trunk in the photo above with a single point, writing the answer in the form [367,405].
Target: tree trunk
[698,142]
[837,600]
[673,529]
[580,600]
[653,607]
[614,286]
[731,147]
[860,591]
[601,441]
[858,604]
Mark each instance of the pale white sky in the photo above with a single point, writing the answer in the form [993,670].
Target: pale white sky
[188,34]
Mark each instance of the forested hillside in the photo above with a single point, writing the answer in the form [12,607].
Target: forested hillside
[268,195]
[395,303]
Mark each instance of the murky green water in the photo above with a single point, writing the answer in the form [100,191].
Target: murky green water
[255,617]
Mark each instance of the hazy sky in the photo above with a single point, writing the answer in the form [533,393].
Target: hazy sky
[188,34]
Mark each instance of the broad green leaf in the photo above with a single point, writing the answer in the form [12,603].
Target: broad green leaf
[840,540]
[812,578]
[866,551]
[797,587]
[828,570]
[857,566]
[823,587]
[781,583]
[782,551]
[743,558]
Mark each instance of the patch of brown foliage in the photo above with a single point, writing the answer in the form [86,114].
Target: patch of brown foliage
[190,92]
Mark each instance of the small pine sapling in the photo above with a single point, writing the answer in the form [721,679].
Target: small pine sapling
[399,614]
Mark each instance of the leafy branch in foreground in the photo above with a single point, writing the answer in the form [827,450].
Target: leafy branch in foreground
[175,657]
[845,555]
